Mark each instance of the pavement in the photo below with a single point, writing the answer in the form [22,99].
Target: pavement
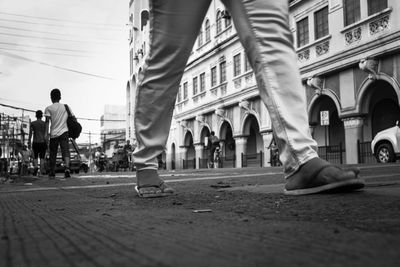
[220,217]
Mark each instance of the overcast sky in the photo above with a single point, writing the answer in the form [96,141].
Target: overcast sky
[78,46]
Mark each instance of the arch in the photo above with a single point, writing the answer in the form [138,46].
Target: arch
[173,156]
[363,97]
[251,129]
[188,138]
[314,100]
[226,136]
[204,133]
[144,18]
[245,127]
[332,134]
[188,143]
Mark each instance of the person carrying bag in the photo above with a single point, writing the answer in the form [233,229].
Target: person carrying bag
[74,127]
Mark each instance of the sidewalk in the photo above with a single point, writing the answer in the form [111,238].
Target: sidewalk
[238,221]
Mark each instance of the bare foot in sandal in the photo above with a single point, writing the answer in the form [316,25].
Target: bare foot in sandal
[150,185]
[319,176]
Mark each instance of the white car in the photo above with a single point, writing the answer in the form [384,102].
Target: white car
[386,144]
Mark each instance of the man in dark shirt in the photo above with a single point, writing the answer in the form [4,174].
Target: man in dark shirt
[39,146]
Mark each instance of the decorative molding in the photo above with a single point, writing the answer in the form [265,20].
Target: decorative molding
[220,112]
[322,48]
[303,55]
[353,122]
[379,25]
[370,66]
[353,36]
[316,83]
[200,118]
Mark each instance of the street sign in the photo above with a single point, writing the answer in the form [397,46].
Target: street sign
[324,117]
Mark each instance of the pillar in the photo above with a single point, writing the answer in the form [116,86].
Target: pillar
[240,147]
[199,147]
[182,156]
[353,130]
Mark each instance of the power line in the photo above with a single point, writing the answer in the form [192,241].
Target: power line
[34,111]
[57,39]
[46,47]
[42,52]
[56,67]
[100,27]
[47,32]
[60,20]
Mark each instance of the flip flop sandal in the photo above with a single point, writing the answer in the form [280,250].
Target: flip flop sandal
[347,181]
[154,191]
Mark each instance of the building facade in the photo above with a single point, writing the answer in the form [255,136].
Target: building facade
[113,129]
[348,55]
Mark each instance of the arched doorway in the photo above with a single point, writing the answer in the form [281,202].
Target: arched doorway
[384,107]
[228,157]
[204,134]
[190,157]
[254,146]
[173,156]
[328,132]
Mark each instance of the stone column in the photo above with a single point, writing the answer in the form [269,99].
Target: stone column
[182,156]
[240,147]
[199,147]
[267,137]
[353,130]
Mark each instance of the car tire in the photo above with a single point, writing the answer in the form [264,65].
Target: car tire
[384,153]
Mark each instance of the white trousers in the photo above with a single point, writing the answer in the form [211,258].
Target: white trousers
[263,29]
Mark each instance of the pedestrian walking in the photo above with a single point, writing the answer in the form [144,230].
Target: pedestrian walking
[263,29]
[56,116]
[38,144]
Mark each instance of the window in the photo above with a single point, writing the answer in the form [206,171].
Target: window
[375,6]
[200,37]
[228,22]
[213,76]
[202,82]
[207,31]
[247,66]
[179,94]
[351,11]
[195,86]
[236,65]
[144,19]
[185,91]
[222,71]
[219,22]
[302,32]
[321,23]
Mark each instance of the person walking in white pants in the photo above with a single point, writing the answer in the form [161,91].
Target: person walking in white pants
[263,30]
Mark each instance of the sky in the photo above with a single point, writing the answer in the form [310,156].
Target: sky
[78,46]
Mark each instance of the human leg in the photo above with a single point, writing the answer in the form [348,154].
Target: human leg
[53,147]
[263,29]
[174,26]
[64,144]
[41,155]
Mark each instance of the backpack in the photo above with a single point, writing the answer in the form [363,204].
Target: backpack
[74,127]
